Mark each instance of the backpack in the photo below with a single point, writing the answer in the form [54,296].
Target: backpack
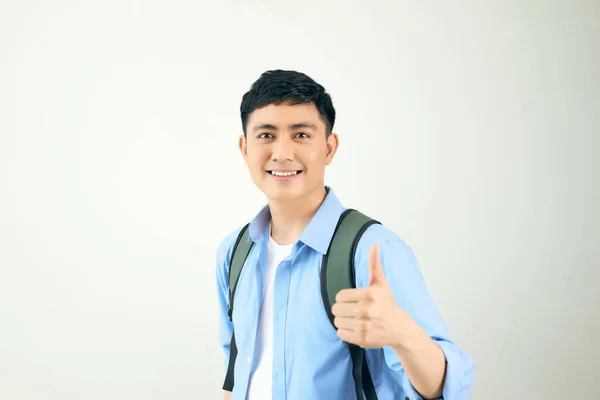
[337,273]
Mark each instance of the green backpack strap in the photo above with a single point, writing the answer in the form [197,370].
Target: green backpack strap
[337,273]
[241,250]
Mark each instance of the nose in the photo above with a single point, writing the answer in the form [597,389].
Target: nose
[283,149]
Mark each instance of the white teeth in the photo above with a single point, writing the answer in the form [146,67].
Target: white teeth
[284,173]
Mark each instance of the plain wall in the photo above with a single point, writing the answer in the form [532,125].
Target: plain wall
[469,128]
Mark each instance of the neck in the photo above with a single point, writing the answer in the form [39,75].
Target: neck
[290,218]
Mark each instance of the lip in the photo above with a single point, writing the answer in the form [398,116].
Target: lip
[284,170]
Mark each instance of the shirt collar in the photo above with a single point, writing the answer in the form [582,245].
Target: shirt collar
[318,233]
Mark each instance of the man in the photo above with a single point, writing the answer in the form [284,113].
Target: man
[285,346]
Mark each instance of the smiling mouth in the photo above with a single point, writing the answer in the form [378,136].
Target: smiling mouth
[284,174]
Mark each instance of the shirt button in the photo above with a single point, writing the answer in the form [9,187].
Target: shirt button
[249,360]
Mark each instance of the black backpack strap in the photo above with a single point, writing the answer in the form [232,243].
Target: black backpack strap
[337,273]
[241,250]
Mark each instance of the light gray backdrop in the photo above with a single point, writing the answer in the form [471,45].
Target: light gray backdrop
[470,128]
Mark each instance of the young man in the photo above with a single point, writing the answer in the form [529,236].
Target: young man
[285,345]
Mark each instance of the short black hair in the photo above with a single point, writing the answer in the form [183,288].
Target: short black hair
[290,87]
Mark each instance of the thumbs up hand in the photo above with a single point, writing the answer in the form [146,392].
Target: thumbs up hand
[369,317]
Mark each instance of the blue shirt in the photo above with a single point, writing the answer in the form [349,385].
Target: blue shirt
[309,360]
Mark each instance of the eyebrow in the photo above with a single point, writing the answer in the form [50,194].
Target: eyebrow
[291,127]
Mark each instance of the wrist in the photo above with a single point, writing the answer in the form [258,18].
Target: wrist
[407,335]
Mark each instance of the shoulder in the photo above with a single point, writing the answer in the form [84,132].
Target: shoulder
[393,251]
[384,237]
[379,233]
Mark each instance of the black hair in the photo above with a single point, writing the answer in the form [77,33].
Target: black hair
[290,87]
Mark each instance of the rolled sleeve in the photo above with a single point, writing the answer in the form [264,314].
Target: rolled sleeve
[459,375]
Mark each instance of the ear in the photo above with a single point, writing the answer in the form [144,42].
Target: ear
[243,145]
[333,142]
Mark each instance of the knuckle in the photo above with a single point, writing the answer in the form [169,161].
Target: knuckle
[372,311]
[364,337]
[374,296]
[364,324]
[364,312]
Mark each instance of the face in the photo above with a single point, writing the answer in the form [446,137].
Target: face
[286,151]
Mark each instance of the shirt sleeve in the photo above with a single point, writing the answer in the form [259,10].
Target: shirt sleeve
[222,281]
[410,292]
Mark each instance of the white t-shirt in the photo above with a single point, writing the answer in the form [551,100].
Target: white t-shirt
[259,387]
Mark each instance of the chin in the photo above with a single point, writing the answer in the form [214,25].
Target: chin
[283,194]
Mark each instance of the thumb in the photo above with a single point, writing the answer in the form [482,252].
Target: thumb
[375,267]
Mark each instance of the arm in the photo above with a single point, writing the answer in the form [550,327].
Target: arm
[391,309]
[426,359]
[222,283]
[424,362]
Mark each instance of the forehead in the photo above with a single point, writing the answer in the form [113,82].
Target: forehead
[285,114]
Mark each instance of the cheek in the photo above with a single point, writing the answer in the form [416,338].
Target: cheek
[257,168]
[255,161]
[315,159]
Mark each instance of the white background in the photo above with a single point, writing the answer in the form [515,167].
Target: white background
[469,128]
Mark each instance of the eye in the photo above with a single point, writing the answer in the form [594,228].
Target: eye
[265,135]
[303,135]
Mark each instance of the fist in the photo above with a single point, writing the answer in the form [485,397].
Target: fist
[369,317]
